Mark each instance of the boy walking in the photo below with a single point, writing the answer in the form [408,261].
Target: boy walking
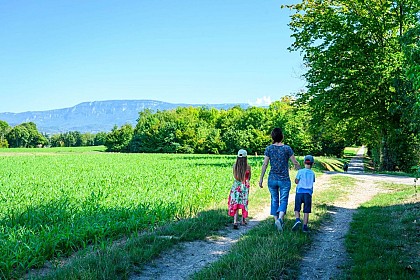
[305,179]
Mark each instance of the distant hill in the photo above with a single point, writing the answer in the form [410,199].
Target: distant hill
[97,116]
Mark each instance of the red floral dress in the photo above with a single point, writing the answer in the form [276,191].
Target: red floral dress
[238,197]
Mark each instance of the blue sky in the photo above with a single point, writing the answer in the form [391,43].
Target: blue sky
[56,54]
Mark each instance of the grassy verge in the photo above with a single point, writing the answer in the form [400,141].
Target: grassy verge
[54,150]
[384,235]
[118,260]
[263,253]
[351,151]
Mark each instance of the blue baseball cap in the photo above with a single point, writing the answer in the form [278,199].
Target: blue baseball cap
[308,159]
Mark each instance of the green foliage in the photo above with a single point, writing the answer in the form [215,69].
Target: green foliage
[208,131]
[360,58]
[118,139]
[4,129]
[202,131]
[4,143]
[25,135]
[77,139]
[100,139]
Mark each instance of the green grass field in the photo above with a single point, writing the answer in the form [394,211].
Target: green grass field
[60,201]
[55,202]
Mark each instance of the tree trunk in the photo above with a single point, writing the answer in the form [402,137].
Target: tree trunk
[388,155]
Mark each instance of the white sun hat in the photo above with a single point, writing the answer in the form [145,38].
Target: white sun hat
[242,153]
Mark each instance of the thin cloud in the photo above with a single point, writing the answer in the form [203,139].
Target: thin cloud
[263,101]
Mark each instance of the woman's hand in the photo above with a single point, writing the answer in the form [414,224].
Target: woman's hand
[261,183]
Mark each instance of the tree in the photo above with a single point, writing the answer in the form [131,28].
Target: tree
[69,139]
[57,140]
[118,139]
[25,135]
[36,138]
[100,138]
[152,133]
[4,129]
[356,68]
[18,137]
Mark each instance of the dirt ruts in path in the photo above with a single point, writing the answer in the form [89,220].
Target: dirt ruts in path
[328,253]
[190,257]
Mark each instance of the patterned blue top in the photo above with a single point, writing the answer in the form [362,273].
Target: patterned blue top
[306,179]
[279,161]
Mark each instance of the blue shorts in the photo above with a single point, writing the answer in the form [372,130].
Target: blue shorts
[304,198]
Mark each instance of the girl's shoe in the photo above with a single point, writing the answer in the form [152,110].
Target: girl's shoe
[244,222]
[235,226]
[279,224]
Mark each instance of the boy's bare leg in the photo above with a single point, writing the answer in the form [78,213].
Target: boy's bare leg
[297,215]
[305,218]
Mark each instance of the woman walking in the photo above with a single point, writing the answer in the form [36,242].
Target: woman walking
[278,155]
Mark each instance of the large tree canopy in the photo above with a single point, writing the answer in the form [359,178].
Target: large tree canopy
[361,58]
[208,130]
[25,135]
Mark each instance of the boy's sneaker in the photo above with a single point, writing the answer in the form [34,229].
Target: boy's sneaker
[296,226]
[305,228]
[279,224]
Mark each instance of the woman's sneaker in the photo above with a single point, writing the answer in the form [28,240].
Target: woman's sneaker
[279,224]
[296,226]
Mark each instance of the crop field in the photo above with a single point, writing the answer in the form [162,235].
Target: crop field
[54,202]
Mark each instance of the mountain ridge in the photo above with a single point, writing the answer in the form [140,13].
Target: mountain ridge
[97,116]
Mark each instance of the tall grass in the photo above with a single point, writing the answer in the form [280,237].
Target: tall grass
[119,259]
[55,204]
[383,241]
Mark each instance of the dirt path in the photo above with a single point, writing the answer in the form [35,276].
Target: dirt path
[327,254]
[190,257]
